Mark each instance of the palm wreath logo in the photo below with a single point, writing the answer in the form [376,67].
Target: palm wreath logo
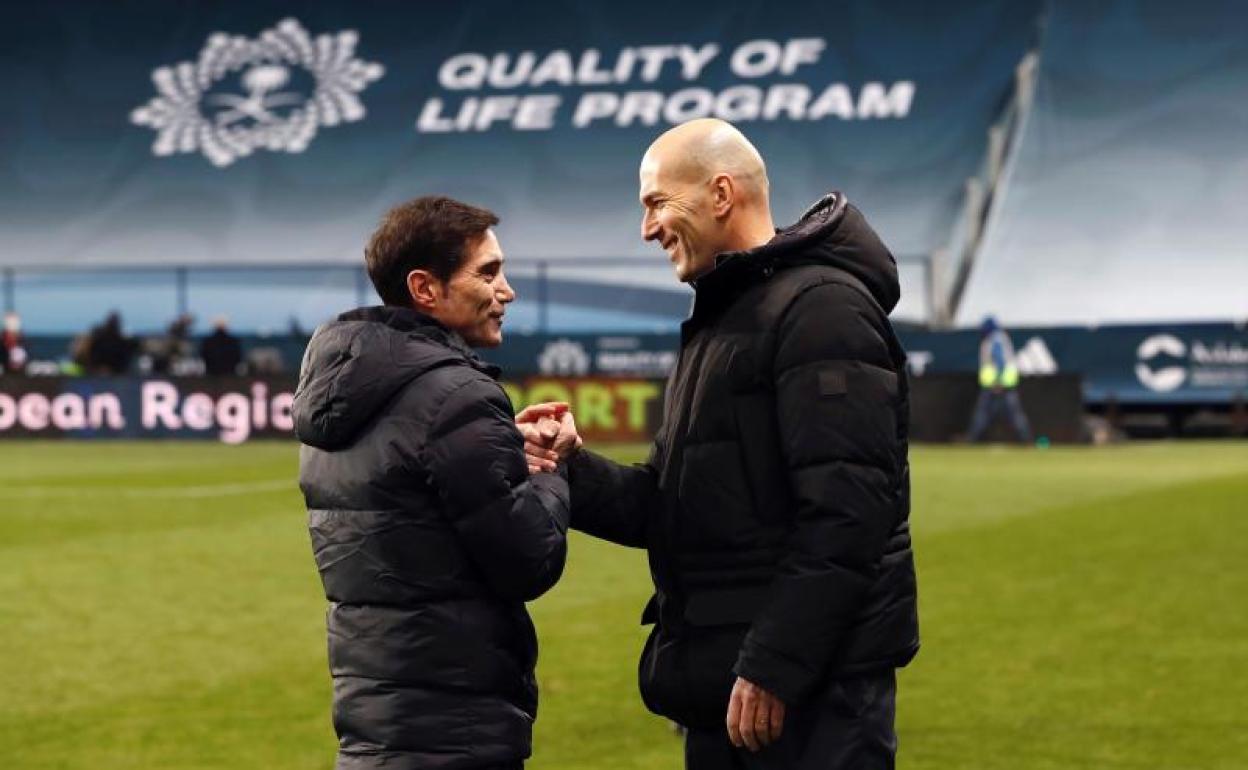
[189,116]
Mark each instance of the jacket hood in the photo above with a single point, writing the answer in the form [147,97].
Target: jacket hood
[831,232]
[355,364]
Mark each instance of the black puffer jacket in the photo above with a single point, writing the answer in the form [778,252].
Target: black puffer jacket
[429,536]
[775,503]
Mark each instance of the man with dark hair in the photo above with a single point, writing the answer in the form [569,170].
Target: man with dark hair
[428,532]
[775,503]
[428,233]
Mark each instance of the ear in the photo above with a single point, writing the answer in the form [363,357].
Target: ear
[424,289]
[723,195]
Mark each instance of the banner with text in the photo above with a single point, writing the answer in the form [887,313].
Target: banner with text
[237,410]
[148,132]
[1154,363]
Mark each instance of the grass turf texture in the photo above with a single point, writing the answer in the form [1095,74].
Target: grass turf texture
[1080,608]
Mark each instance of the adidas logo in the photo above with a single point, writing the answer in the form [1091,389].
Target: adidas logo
[1034,358]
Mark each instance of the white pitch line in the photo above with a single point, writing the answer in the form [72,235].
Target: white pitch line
[204,490]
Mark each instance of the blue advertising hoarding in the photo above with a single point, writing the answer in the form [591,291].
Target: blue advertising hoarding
[1146,364]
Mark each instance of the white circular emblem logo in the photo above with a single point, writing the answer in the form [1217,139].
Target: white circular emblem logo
[275,111]
[1166,378]
[563,356]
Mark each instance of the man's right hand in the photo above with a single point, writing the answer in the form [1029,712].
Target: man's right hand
[550,435]
[755,716]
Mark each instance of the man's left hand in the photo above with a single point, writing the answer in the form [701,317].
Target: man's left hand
[550,435]
[755,716]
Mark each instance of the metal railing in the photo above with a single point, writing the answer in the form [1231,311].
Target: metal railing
[85,292]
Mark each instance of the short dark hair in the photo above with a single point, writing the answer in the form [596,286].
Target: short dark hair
[431,233]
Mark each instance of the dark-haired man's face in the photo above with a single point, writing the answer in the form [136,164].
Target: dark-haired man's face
[476,296]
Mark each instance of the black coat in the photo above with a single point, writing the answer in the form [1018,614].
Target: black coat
[429,536]
[775,502]
[222,353]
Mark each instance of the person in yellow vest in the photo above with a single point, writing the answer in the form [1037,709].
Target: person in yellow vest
[998,383]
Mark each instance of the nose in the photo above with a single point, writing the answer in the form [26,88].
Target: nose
[649,227]
[504,291]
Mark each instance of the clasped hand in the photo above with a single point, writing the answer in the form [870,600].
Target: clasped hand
[550,435]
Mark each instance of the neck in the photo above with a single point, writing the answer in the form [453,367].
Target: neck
[751,232]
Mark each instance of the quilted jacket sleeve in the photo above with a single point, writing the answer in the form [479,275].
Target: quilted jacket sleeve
[837,396]
[513,526]
[610,500]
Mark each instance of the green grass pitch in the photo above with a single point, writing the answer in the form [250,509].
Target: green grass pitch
[1081,608]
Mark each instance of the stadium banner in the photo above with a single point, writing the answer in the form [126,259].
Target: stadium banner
[147,132]
[577,355]
[233,410]
[237,410]
[616,380]
[1145,364]
[606,409]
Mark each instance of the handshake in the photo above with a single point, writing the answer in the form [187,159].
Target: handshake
[550,435]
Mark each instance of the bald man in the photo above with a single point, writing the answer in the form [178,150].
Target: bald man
[775,502]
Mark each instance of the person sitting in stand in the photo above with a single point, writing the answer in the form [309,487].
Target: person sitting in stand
[109,351]
[222,352]
[13,354]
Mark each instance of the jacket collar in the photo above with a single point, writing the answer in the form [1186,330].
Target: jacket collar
[421,325]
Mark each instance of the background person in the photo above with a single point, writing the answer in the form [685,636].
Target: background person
[998,384]
[109,351]
[13,353]
[222,352]
[165,351]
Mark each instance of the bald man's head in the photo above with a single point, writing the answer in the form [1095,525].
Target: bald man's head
[699,149]
[704,191]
